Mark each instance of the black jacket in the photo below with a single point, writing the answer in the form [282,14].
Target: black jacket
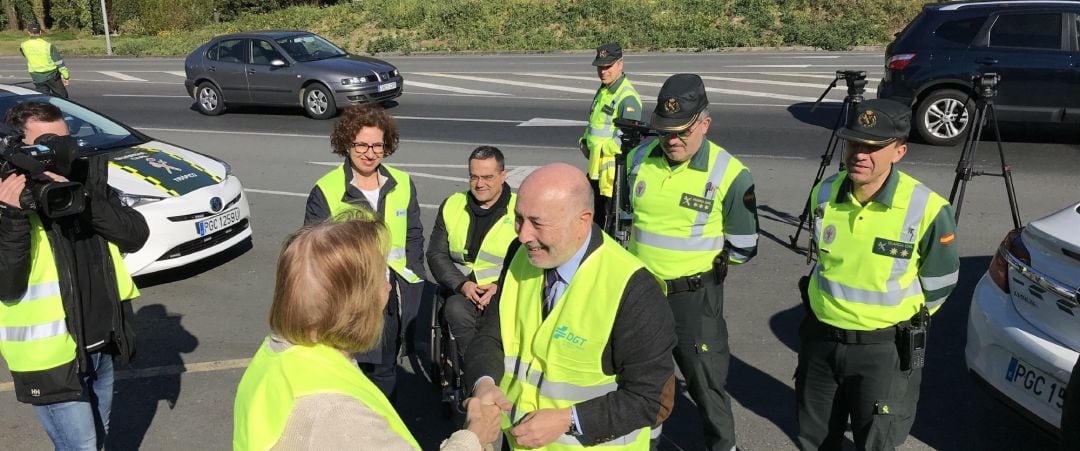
[438,253]
[91,286]
[638,352]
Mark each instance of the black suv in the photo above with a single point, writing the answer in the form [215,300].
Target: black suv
[1031,44]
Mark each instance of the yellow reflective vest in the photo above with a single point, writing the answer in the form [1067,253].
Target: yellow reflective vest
[38,53]
[34,334]
[678,216]
[274,381]
[601,133]
[564,350]
[866,276]
[488,263]
[395,216]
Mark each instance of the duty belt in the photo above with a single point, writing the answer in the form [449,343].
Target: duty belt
[690,283]
[830,333]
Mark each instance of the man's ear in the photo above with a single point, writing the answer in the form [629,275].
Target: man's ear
[901,150]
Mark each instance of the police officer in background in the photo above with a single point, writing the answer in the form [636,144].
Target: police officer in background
[472,232]
[47,69]
[886,260]
[615,99]
[694,214]
[64,288]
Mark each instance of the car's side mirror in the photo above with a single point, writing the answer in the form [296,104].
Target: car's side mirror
[278,63]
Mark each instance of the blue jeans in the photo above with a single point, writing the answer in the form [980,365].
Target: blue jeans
[81,425]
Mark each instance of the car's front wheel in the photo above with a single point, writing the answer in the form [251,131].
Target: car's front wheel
[319,102]
[208,99]
[942,118]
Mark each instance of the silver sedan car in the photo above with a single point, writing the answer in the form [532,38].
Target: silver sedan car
[285,68]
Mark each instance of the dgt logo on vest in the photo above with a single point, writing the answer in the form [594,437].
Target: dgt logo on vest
[563,333]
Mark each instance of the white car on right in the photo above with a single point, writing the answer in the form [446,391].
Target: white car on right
[1024,325]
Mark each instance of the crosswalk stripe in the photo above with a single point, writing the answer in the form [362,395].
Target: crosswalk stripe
[735,92]
[453,89]
[178,73]
[509,82]
[119,75]
[749,80]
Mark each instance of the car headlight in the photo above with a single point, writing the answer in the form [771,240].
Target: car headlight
[354,81]
[394,73]
[135,200]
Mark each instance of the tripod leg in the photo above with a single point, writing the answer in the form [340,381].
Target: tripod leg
[967,158]
[1006,173]
[826,160]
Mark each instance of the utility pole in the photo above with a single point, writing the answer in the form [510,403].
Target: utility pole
[105,22]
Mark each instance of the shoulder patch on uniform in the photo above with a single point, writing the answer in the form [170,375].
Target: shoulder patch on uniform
[750,199]
[630,109]
[947,238]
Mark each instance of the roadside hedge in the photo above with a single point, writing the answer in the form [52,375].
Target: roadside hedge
[405,26]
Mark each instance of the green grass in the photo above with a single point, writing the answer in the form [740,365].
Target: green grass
[405,26]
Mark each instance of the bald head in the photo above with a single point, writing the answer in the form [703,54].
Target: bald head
[562,182]
[554,214]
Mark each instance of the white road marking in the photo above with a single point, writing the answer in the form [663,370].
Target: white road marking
[513,177]
[452,89]
[510,82]
[455,119]
[167,370]
[178,73]
[119,75]
[797,66]
[756,81]
[824,57]
[324,137]
[546,122]
[305,195]
[518,174]
[716,90]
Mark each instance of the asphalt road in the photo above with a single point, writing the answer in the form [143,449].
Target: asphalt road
[199,323]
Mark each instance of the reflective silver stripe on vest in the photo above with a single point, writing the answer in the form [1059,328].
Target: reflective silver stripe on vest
[458,257]
[916,209]
[823,195]
[742,241]
[562,391]
[35,332]
[38,291]
[607,132]
[890,298]
[490,272]
[635,165]
[709,191]
[937,283]
[607,165]
[490,258]
[931,305]
[682,243]
[396,253]
[465,270]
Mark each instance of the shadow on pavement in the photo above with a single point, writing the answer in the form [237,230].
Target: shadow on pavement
[161,340]
[193,269]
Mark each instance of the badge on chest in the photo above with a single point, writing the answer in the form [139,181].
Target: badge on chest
[696,203]
[895,249]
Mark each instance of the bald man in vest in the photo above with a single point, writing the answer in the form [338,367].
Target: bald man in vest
[576,344]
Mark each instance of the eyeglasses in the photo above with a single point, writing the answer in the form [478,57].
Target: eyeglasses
[683,135]
[363,148]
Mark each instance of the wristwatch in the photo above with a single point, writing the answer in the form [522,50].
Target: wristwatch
[573,430]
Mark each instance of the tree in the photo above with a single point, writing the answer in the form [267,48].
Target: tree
[10,15]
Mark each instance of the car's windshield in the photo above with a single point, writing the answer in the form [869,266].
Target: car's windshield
[93,131]
[309,47]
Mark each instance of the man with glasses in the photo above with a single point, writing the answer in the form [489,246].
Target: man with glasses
[694,214]
[886,260]
[472,232]
[616,98]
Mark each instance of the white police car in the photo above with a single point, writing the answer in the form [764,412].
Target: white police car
[194,206]
[1024,323]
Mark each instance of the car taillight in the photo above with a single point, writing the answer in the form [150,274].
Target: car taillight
[899,61]
[999,268]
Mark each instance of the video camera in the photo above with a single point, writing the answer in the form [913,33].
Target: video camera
[985,84]
[50,153]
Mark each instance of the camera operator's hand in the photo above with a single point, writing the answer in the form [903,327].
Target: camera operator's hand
[97,175]
[11,189]
[55,177]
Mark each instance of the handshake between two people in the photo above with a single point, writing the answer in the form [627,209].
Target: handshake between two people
[536,429]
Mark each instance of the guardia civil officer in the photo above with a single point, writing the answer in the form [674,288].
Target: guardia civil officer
[886,260]
[47,69]
[616,98]
[694,214]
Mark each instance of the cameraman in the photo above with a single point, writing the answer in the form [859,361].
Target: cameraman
[63,319]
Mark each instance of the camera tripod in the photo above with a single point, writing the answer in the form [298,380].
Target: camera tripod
[618,217]
[856,86]
[984,88]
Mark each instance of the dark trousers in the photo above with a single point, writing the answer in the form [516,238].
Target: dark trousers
[462,316]
[703,355]
[835,381]
[54,86]
[600,203]
[380,364]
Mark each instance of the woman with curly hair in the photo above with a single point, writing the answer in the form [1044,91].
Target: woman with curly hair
[364,136]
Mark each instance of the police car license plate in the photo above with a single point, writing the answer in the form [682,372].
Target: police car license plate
[1036,383]
[209,226]
[387,86]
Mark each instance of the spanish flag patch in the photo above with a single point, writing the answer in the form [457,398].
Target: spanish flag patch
[947,238]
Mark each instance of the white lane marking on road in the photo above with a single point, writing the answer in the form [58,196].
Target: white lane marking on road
[716,90]
[453,89]
[305,195]
[796,74]
[455,119]
[510,82]
[178,73]
[546,122]
[167,370]
[557,99]
[298,135]
[513,177]
[761,81]
[119,75]
[823,57]
[518,174]
[796,66]
[146,95]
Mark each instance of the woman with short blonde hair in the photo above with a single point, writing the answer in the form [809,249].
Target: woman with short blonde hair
[303,390]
